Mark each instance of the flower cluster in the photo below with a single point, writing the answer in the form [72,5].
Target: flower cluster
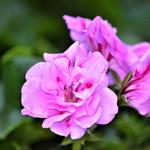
[70,90]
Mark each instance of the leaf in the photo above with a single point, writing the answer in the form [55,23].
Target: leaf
[9,145]
[13,71]
[66,141]
[9,121]
[76,145]
[1,97]
[18,50]
[34,129]
[93,138]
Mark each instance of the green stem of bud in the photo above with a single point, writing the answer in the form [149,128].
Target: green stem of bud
[125,82]
[76,145]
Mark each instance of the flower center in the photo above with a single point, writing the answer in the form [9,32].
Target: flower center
[68,95]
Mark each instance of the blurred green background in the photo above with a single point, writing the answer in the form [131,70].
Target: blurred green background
[30,27]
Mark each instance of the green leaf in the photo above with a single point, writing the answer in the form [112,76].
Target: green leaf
[14,67]
[1,97]
[34,129]
[93,138]
[9,145]
[76,145]
[66,141]
[18,50]
[9,121]
[13,72]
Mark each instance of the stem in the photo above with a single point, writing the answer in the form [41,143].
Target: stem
[125,82]
[122,101]
[116,77]
[76,145]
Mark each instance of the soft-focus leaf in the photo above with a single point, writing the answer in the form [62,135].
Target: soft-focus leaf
[76,145]
[13,71]
[13,77]
[66,141]
[9,121]
[7,145]
[1,97]
[93,138]
[33,129]
[18,50]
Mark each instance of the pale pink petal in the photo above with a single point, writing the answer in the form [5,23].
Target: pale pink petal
[48,122]
[109,106]
[95,28]
[36,71]
[97,69]
[35,100]
[72,51]
[93,114]
[62,62]
[50,57]
[143,63]
[77,36]
[144,109]
[76,23]
[140,48]
[76,131]
[81,56]
[60,128]
[68,55]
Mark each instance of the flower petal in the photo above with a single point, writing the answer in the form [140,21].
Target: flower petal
[37,70]
[97,69]
[60,128]
[48,122]
[108,104]
[34,99]
[76,131]
[93,114]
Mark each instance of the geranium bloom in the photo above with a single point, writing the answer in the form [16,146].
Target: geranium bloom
[99,35]
[137,91]
[69,91]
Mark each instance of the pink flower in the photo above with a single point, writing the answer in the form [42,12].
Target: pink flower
[91,33]
[137,91]
[69,91]
[99,35]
